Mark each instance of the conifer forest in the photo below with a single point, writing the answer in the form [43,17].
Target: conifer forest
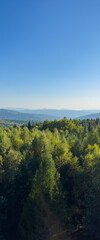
[50,180]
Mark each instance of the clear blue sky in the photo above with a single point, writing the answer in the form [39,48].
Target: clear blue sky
[50,54]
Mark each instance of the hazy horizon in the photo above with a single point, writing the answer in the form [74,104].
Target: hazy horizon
[23,108]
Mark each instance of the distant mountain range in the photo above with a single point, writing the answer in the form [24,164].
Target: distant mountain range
[57,113]
[47,114]
[15,115]
[90,116]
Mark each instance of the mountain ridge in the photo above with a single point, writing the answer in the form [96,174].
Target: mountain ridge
[90,116]
[15,115]
[58,113]
[47,114]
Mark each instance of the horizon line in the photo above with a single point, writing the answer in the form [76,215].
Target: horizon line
[70,109]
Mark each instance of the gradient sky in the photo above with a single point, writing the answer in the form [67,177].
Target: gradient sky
[50,54]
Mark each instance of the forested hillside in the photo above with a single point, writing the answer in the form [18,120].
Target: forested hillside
[50,180]
[90,116]
[57,113]
[15,115]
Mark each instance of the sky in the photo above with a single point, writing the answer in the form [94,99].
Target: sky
[50,54]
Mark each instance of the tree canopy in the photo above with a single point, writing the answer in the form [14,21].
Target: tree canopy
[51,165]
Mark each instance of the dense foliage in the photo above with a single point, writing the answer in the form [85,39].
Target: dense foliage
[52,165]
